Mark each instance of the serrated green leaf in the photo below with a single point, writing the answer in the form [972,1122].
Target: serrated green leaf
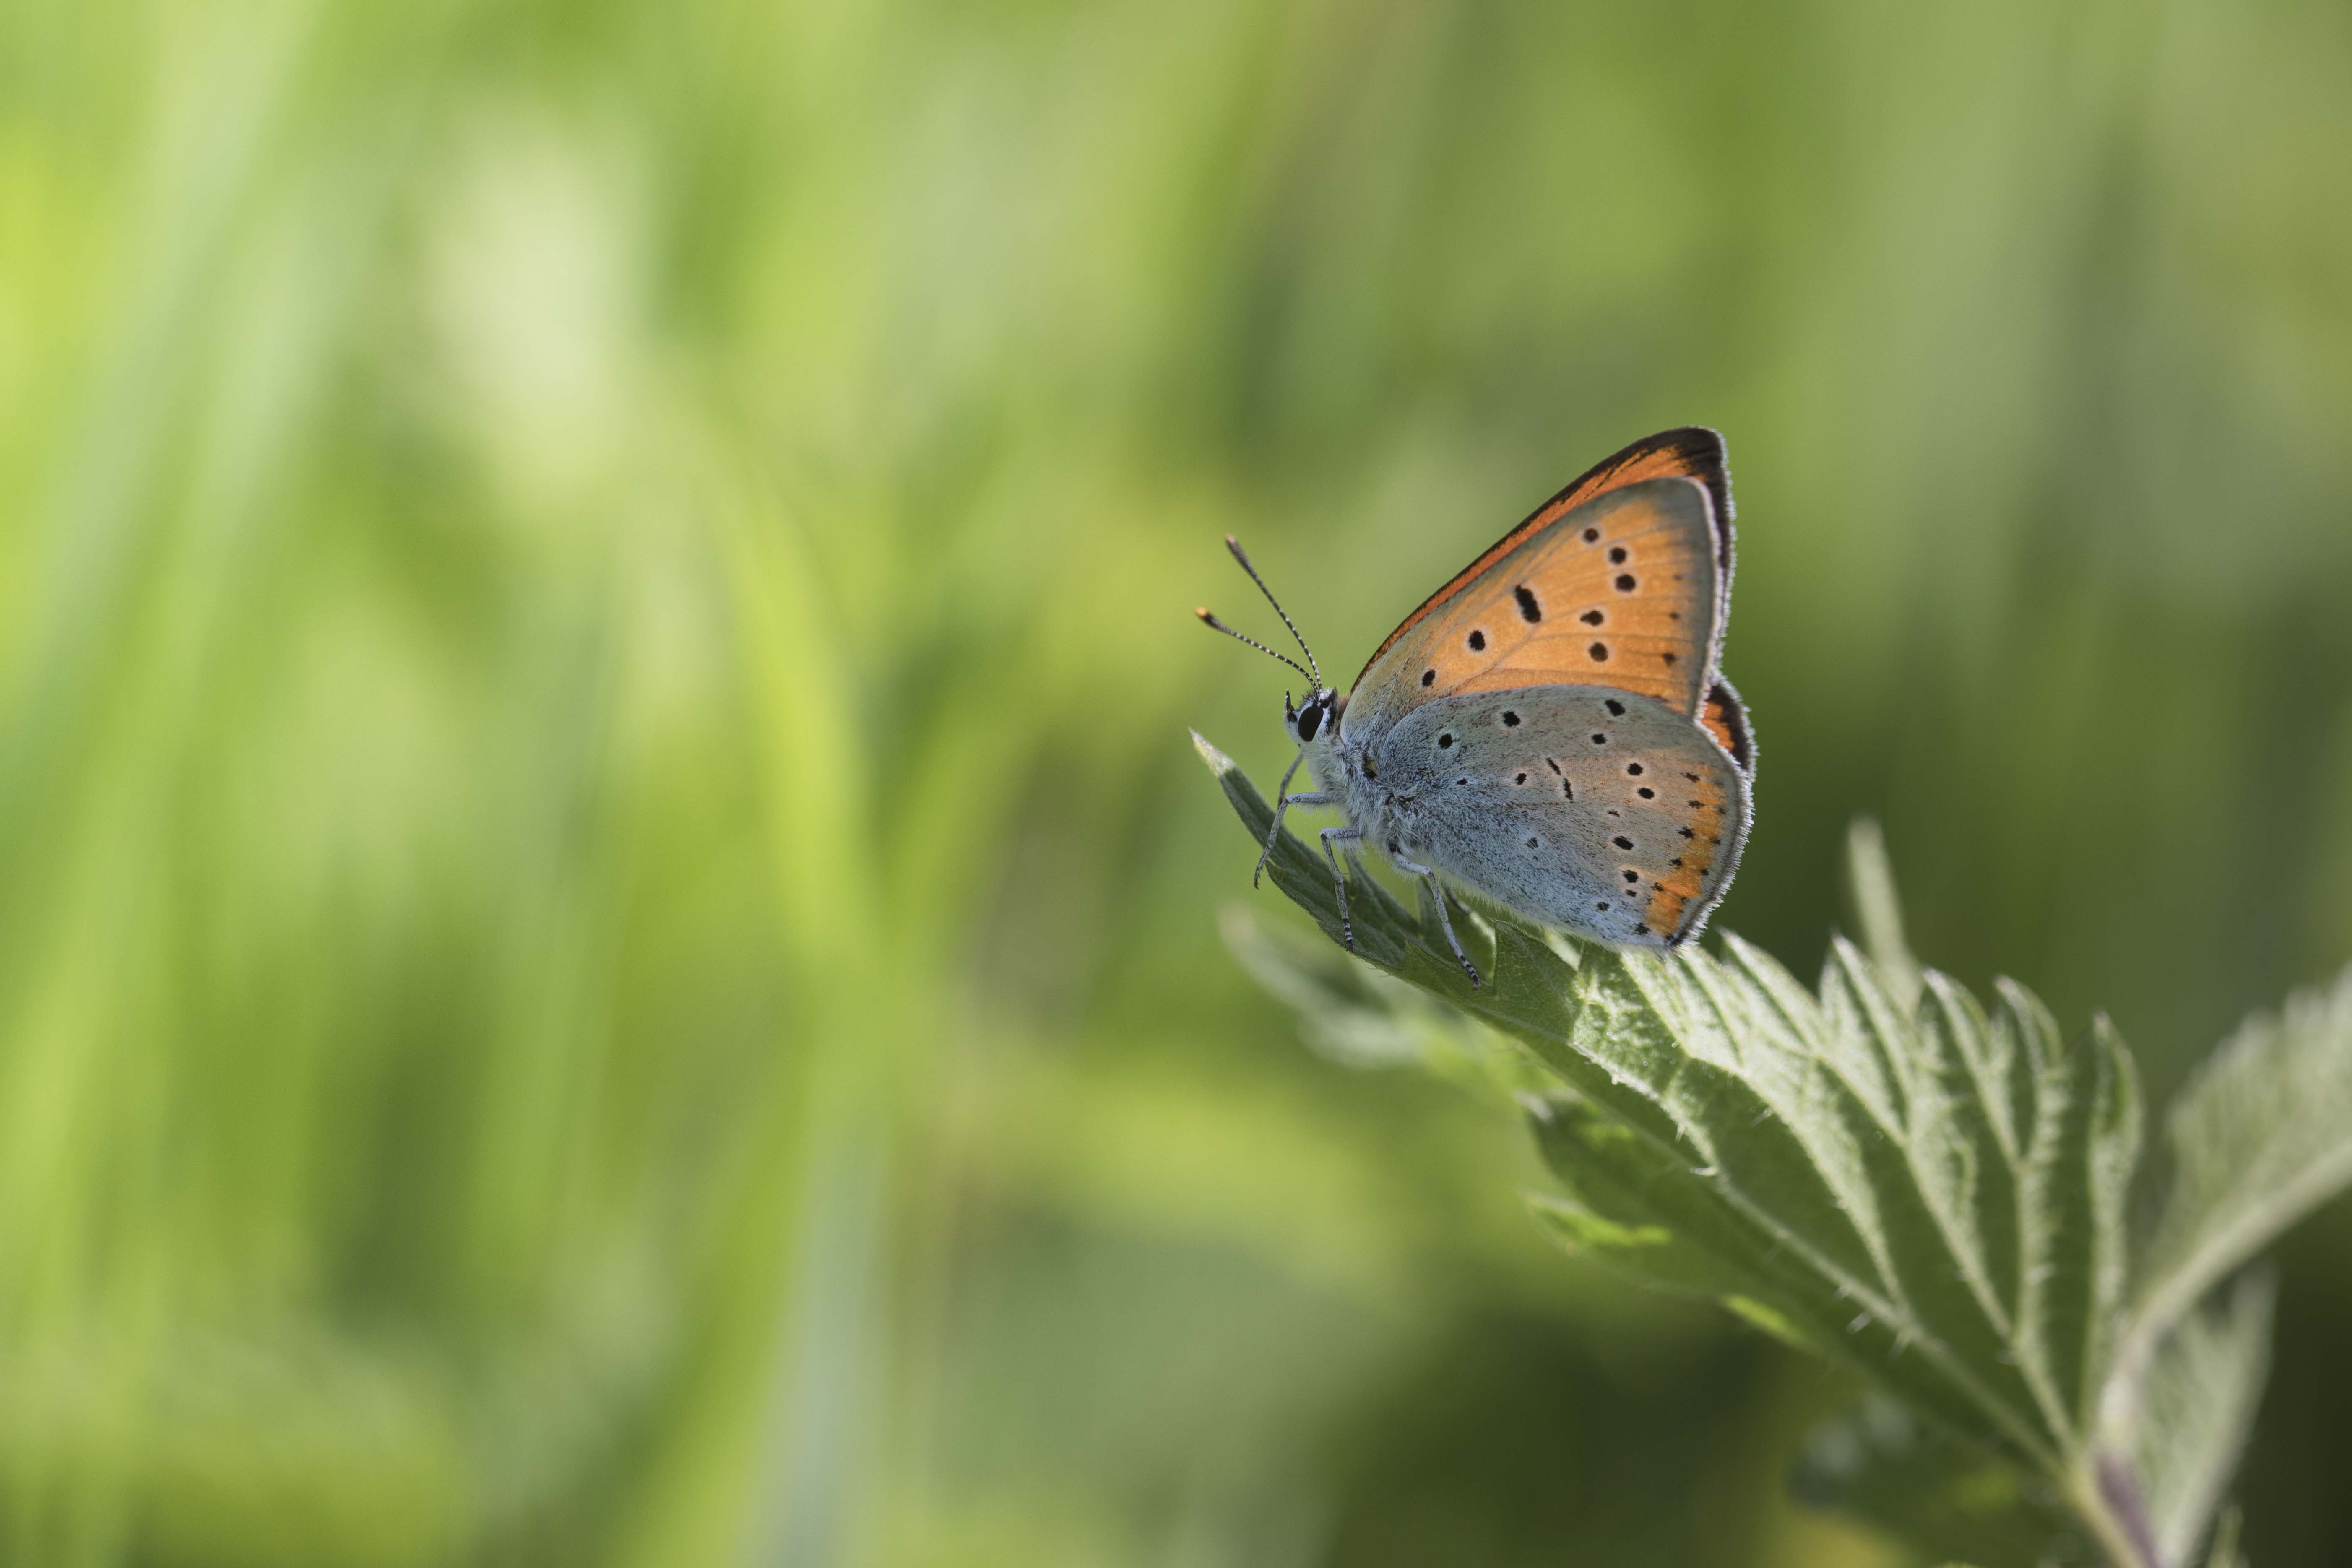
[1650,1215]
[1360,1016]
[2260,1137]
[1339,1011]
[1383,933]
[1934,1195]
[1627,1202]
[2181,1426]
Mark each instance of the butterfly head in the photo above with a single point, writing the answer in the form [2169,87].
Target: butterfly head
[1318,716]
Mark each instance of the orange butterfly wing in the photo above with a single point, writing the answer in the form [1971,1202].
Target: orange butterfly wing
[1692,452]
[1666,629]
[1624,590]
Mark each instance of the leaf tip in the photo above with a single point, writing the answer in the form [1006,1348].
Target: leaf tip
[1772,1321]
[1219,763]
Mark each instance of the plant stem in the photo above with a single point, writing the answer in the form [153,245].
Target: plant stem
[2122,1541]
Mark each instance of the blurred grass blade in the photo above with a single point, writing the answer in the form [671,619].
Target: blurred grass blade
[1878,911]
[2260,1137]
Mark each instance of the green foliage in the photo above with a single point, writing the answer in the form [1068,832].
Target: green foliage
[1935,1193]
[1884,1465]
[604,958]
[2180,1421]
[2262,1135]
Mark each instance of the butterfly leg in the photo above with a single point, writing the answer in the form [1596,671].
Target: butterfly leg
[1282,799]
[1311,797]
[1444,920]
[1339,882]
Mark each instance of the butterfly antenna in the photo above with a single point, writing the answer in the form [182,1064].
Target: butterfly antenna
[1215,625]
[1313,672]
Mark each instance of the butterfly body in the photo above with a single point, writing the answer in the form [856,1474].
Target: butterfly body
[1584,807]
[1549,729]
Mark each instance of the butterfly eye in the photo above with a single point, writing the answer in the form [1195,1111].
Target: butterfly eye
[1310,720]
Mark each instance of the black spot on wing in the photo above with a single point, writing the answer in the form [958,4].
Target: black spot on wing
[1698,452]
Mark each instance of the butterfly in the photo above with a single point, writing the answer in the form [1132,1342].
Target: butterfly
[1549,729]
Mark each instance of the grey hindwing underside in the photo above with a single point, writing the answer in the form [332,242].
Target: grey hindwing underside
[1583,808]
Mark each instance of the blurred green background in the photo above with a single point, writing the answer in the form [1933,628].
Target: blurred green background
[608,930]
